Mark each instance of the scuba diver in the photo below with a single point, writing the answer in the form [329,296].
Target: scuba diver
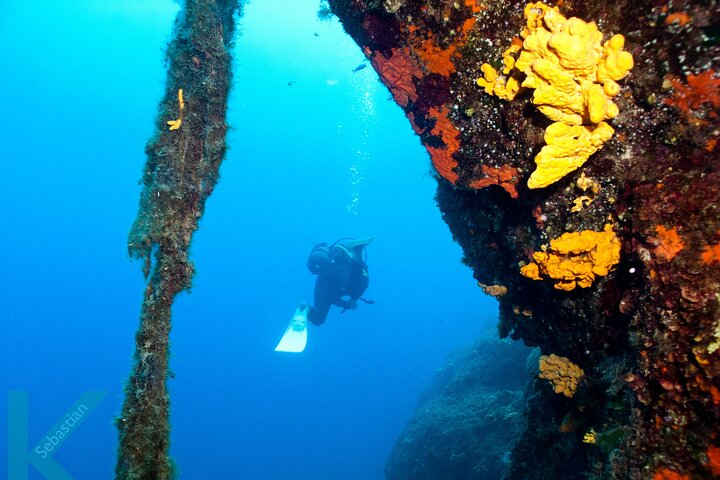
[342,277]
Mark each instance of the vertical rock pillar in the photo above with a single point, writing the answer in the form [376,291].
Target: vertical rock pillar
[183,159]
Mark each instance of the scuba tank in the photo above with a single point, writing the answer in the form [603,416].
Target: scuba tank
[323,255]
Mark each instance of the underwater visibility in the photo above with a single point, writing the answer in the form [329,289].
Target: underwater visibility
[361,239]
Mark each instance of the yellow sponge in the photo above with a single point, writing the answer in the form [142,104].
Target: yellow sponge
[576,259]
[574,76]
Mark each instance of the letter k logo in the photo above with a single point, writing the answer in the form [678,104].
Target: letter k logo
[40,456]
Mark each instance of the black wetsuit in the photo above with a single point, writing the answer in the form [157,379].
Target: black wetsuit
[341,283]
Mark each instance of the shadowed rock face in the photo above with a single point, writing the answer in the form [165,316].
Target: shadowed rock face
[468,420]
[646,334]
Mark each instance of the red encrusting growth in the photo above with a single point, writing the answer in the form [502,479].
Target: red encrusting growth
[411,116]
[713,454]
[442,157]
[668,474]
[440,60]
[427,53]
[505,177]
[680,18]
[699,90]
[710,144]
[669,243]
[711,253]
[397,72]
[474,7]
[436,59]
[540,218]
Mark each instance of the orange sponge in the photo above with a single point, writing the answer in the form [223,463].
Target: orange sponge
[576,259]
[562,373]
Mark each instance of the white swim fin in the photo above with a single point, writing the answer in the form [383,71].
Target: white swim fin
[295,337]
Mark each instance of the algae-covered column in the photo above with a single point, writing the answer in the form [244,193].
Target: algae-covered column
[183,158]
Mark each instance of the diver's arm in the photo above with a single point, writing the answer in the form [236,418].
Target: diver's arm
[350,304]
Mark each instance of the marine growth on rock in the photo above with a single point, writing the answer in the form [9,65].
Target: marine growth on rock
[576,259]
[561,372]
[574,78]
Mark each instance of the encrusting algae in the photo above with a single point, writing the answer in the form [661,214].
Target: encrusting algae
[561,372]
[576,259]
[574,76]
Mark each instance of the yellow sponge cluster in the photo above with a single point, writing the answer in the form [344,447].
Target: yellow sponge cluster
[576,259]
[575,78]
[562,373]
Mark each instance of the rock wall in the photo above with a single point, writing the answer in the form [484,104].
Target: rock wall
[468,419]
[575,146]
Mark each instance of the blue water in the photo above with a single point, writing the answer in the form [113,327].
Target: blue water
[328,157]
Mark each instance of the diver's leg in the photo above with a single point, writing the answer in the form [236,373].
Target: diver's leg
[318,312]
[323,295]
